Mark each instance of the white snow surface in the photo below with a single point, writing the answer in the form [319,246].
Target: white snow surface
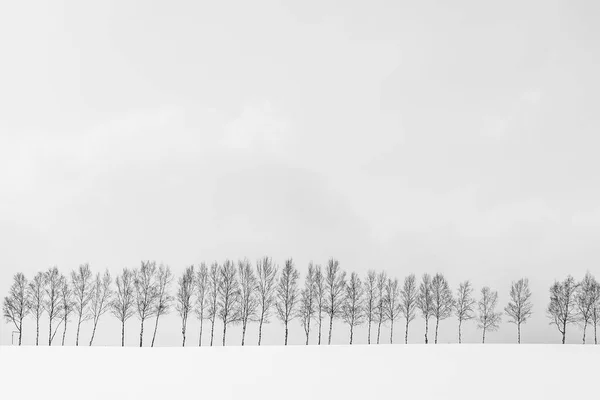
[465,371]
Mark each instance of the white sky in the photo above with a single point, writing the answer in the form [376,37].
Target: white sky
[415,137]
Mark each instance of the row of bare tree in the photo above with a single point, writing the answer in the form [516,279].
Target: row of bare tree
[238,293]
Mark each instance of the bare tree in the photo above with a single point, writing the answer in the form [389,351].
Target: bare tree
[408,302]
[425,302]
[443,303]
[370,289]
[67,304]
[81,281]
[488,319]
[320,293]
[335,282]
[307,308]
[248,303]
[392,304]
[146,293]
[123,304]
[287,294]
[562,309]
[16,305]
[464,306]
[266,273]
[596,310]
[201,295]
[36,295]
[184,303]
[352,308]
[229,296]
[519,307]
[585,299]
[164,299]
[100,301]
[380,314]
[214,278]
[52,305]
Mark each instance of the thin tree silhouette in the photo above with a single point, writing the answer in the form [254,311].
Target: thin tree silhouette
[164,300]
[464,306]
[266,273]
[408,302]
[287,295]
[488,319]
[16,306]
[184,303]
[334,285]
[81,281]
[123,304]
[352,308]
[101,298]
[562,309]
[248,304]
[519,308]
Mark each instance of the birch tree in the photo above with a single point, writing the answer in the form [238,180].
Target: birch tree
[287,295]
[380,314]
[425,302]
[201,296]
[585,301]
[266,273]
[81,282]
[123,304]
[146,293]
[307,308]
[370,291]
[352,308]
[562,309]
[36,295]
[16,305]
[519,307]
[392,304]
[443,303]
[52,304]
[229,296]
[408,302]
[164,299]
[184,303]
[214,278]
[595,320]
[465,305]
[488,319]
[67,304]
[100,302]
[248,303]
[320,294]
[335,282]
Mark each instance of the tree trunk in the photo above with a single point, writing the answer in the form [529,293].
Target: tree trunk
[330,328]
[212,331]
[406,333]
[519,333]
[595,337]
[20,331]
[78,330]
[64,333]
[50,334]
[201,326]
[320,324]
[426,329]
[155,330]
[260,324]
[369,334]
[437,323]
[142,334]
[286,333]
[351,334]
[224,331]
[123,333]
[93,332]
[391,331]
[307,331]
[483,341]
[37,335]
[459,332]
[378,331]
[244,332]
[564,332]
[584,328]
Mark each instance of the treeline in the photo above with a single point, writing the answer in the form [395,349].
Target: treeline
[240,293]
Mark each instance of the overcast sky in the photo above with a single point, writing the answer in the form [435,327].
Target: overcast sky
[398,136]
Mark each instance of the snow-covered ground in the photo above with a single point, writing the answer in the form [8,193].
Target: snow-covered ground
[297,372]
